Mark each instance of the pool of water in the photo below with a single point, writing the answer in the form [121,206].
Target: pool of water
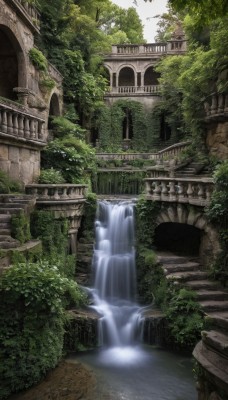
[140,373]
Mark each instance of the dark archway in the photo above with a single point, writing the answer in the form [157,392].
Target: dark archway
[9,68]
[151,77]
[126,77]
[54,109]
[127,125]
[178,238]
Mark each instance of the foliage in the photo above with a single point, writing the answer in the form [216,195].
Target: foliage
[32,322]
[217,214]
[51,175]
[7,185]
[20,227]
[146,212]
[87,224]
[119,182]
[185,317]
[38,59]
[62,126]
[71,156]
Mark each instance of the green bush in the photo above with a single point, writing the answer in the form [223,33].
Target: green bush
[51,175]
[63,126]
[32,317]
[7,185]
[20,227]
[38,59]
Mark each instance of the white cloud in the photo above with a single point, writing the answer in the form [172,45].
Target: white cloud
[146,11]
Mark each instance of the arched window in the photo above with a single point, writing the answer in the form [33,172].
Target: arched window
[151,77]
[8,66]
[54,109]
[126,77]
[127,125]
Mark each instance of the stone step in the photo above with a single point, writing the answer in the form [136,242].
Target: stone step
[4,218]
[13,205]
[185,276]
[216,340]
[214,305]
[6,238]
[217,320]
[202,284]
[5,231]
[220,315]
[211,295]
[10,211]
[9,245]
[173,259]
[188,266]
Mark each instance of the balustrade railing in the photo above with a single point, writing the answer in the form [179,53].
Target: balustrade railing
[51,193]
[217,105]
[172,151]
[155,48]
[181,190]
[150,89]
[30,10]
[20,124]
[127,156]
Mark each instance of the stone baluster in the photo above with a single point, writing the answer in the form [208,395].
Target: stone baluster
[45,193]
[201,191]
[65,195]
[208,193]
[4,122]
[226,103]
[157,190]
[56,194]
[32,129]
[164,190]
[221,102]
[15,124]
[190,191]
[27,128]
[172,191]
[214,105]
[181,192]
[20,125]
[10,123]
[148,188]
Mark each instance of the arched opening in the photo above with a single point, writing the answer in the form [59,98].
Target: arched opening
[151,77]
[9,69]
[126,77]
[178,238]
[54,110]
[165,130]
[127,125]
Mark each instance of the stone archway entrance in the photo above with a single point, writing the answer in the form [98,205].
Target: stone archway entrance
[9,69]
[178,238]
[54,109]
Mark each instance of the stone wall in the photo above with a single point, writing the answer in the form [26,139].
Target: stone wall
[217,139]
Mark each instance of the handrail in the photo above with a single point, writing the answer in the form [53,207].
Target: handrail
[61,193]
[20,124]
[196,191]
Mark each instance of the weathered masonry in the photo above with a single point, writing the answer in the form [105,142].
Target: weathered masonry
[25,103]
[131,69]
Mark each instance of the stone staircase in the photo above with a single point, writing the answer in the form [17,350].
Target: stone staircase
[12,205]
[188,272]
[212,351]
[192,169]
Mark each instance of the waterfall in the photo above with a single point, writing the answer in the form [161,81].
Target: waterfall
[114,290]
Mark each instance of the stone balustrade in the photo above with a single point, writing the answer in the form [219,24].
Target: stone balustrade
[171,47]
[172,151]
[180,190]
[216,106]
[16,123]
[127,156]
[57,193]
[150,89]
[29,11]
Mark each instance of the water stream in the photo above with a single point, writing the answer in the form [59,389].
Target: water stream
[128,369]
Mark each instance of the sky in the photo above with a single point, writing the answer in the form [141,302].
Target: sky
[146,11]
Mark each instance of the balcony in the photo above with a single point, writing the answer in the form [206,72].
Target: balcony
[193,191]
[149,90]
[216,107]
[17,124]
[56,194]
[132,50]
[28,13]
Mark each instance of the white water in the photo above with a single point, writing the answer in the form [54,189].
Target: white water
[115,282]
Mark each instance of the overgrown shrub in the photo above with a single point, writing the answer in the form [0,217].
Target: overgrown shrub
[63,126]
[20,227]
[38,59]
[32,323]
[51,175]
[7,185]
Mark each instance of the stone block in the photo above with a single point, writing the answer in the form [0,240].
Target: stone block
[4,152]
[14,154]
[14,171]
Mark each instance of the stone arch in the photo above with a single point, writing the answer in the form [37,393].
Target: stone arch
[126,76]
[150,76]
[54,108]
[13,63]
[193,216]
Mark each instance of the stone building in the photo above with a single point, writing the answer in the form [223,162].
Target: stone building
[25,102]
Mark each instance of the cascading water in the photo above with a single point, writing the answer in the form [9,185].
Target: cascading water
[115,277]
